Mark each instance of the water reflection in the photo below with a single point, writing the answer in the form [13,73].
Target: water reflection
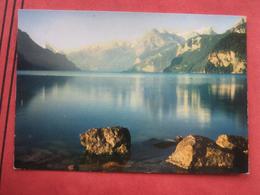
[52,111]
[151,105]
[227,88]
[189,105]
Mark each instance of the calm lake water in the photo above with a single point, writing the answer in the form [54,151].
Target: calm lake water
[53,108]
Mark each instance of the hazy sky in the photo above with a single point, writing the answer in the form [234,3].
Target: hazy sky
[74,29]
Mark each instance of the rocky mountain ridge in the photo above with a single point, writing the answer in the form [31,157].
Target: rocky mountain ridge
[150,53]
[201,51]
[214,53]
[229,54]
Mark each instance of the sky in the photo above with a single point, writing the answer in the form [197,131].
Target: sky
[65,30]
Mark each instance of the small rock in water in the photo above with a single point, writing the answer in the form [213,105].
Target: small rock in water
[198,151]
[106,141]
[232,142]
[239,146]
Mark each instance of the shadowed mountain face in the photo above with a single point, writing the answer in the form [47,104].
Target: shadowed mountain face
[31,56]
[192,56]
[213,53]
[228,55]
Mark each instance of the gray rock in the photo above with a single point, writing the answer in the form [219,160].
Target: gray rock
[106,141]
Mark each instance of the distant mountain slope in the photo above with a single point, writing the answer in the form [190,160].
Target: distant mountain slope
[31,56]
[111,57]
[151,53]
[214,53]
[155,50]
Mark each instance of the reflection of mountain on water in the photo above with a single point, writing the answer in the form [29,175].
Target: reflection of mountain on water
[183,97]
[226,96]
[198,98]
[59,108]
[189,104]
[30,86]
[53,110]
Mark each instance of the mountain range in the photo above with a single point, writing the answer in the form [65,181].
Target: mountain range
[213,53]
[202,51]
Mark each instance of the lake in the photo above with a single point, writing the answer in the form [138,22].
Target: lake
[53,108]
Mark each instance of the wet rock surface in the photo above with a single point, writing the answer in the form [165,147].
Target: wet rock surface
[200,152]
[239,146]
[191,154]
[106,141]
[232,142]
[197,151]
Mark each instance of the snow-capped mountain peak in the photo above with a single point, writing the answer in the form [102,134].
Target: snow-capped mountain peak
[206,31]
[202,31]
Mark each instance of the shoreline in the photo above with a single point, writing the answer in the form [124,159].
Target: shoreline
[146,157]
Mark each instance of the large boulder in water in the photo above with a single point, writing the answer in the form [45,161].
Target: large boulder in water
[106,141]
[200,152]
[239,146]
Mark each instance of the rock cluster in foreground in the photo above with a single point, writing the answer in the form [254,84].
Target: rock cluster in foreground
[106,141]
[200,152]
[191,152]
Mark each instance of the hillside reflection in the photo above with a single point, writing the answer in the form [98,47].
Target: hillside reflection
[160,98]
